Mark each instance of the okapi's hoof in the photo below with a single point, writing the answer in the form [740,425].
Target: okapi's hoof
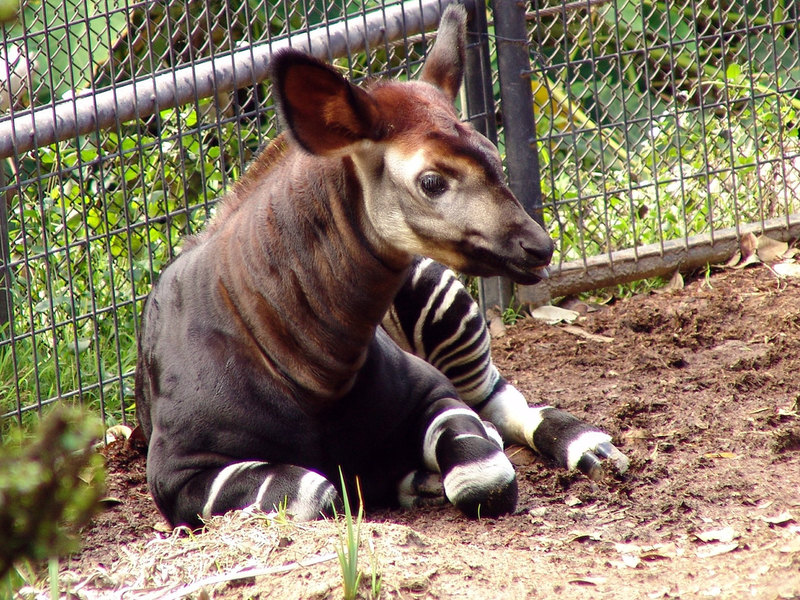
[498,502]
[483,488]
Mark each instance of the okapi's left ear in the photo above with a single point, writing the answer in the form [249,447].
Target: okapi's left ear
[324,112]
[444,66]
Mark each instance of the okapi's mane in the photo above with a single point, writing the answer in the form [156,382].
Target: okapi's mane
[233,200]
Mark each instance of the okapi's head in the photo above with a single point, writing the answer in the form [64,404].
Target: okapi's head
[431,184]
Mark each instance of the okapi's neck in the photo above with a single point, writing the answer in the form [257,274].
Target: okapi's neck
[297,269]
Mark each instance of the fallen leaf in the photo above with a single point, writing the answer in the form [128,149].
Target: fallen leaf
[716,549]
[787,269]
[630,560]
[675,282]
[781,519]
[585,536]
[734,260]
[770,250]
[729,455]
[748,246]
[553,314]
[110,501]
[726,534]
[588,580]
[497,328]
[580,332]
[118,432]
[657,555]
[579,306]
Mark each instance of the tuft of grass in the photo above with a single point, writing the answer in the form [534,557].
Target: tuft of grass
[375,574]
[512,314]
[349,542]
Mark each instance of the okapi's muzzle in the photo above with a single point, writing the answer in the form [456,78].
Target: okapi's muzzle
[535,251]
[519,248]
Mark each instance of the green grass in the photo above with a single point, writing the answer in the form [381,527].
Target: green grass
[349,543]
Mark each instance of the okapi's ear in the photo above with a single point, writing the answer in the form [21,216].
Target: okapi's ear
[324,112]
[444,66]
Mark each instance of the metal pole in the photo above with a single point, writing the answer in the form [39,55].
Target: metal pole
[5,259]
[478,72]
[203,79]
[514,70]
[492,291]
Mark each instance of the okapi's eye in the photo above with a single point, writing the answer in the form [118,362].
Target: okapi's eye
[432,184]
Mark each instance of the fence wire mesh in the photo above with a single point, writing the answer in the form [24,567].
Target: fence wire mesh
[664,120]
[655,122]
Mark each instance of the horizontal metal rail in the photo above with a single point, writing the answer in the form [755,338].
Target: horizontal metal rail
[653,260]
[141,98]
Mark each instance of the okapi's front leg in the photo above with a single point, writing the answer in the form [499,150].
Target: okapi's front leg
[552,432]
[434,317]
[427,431]
[476,475]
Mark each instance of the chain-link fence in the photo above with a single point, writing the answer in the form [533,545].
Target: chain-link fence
[663,131]
[666,130]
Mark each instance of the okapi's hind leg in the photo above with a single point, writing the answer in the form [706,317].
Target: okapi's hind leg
[303,494]
[434,317]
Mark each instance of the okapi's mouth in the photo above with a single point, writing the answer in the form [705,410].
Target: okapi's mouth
[525,277]
[524,270]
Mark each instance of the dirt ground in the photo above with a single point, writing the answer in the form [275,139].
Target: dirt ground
[699,386]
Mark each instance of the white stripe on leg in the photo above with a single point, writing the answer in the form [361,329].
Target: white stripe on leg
[219,481]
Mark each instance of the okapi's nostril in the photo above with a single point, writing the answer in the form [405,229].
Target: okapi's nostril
[542,252]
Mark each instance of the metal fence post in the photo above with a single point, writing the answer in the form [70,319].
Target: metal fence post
[5,258]
[492,291]
[519,131]
[514,70]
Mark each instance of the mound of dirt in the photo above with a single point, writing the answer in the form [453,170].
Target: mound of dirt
[700,388]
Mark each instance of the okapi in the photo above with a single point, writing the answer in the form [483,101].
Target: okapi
[263,367]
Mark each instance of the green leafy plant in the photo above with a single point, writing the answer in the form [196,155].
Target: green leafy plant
[50,486]
[88,236]
[513,313]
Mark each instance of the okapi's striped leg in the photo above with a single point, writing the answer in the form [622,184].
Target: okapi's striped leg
[305,494]
[434,317]
[476,475]
[552,432]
